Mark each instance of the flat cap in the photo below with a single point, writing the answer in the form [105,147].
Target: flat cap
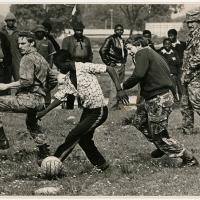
[192,16]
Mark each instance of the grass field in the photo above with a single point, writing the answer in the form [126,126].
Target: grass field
[132,170]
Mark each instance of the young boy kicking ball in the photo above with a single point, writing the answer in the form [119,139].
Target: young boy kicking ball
[79,80]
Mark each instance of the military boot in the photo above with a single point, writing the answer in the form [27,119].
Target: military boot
[188,160]
[157,153]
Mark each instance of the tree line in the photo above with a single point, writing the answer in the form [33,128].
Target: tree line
[132,16]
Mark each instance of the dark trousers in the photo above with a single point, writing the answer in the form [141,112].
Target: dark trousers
[47,99]
[69,104]
[82,134]
[176,79]
[5,77]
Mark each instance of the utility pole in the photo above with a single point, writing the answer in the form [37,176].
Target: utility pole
[111,18]
[106,22]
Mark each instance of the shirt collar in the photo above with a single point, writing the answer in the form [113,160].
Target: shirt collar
[31,50]
[175,43]
[167,52]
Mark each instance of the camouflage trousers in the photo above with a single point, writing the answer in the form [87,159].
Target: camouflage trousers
[24,103]
[151,118]
[190,103]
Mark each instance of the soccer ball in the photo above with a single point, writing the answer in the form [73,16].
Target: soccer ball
[51,167]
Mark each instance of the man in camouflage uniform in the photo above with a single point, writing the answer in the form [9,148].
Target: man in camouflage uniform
[35,74]
[151,117]
[191,73]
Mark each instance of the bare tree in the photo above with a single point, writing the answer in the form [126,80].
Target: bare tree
[137,14]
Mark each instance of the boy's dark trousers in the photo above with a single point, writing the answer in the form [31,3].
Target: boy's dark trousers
[177,84]
[83,133]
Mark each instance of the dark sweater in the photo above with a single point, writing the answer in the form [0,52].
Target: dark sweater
[180,48]
[172,60]
[152,72]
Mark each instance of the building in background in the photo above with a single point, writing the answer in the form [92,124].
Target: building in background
[160,29]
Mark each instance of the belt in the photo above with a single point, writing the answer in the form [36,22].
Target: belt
[157,95]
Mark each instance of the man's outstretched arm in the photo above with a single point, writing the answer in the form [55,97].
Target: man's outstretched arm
[4,86]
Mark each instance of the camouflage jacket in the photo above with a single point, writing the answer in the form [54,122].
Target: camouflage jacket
[191,59]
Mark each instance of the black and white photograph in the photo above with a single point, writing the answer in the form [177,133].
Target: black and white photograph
[100,99]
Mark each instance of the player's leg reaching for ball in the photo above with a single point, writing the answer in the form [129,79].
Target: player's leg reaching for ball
[30,104]
[82,134]
[151,118]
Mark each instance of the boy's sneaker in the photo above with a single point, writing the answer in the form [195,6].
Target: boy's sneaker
[157,153]
[190,163]
[104,166]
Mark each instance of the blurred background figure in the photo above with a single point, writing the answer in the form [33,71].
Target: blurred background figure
[46,49]
[147,35]
[180,47]
[43,45]
[11,31]
[48,27]
[80,50]
[5,62]
[173,61]
[113,53]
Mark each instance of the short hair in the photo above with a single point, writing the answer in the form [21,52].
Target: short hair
[118,25]
[166,39]
[47,25]
[29,35]
[137,40]
[61,56]
[146,32]
[172,31]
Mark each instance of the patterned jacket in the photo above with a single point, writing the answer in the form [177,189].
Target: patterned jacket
[191,59]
